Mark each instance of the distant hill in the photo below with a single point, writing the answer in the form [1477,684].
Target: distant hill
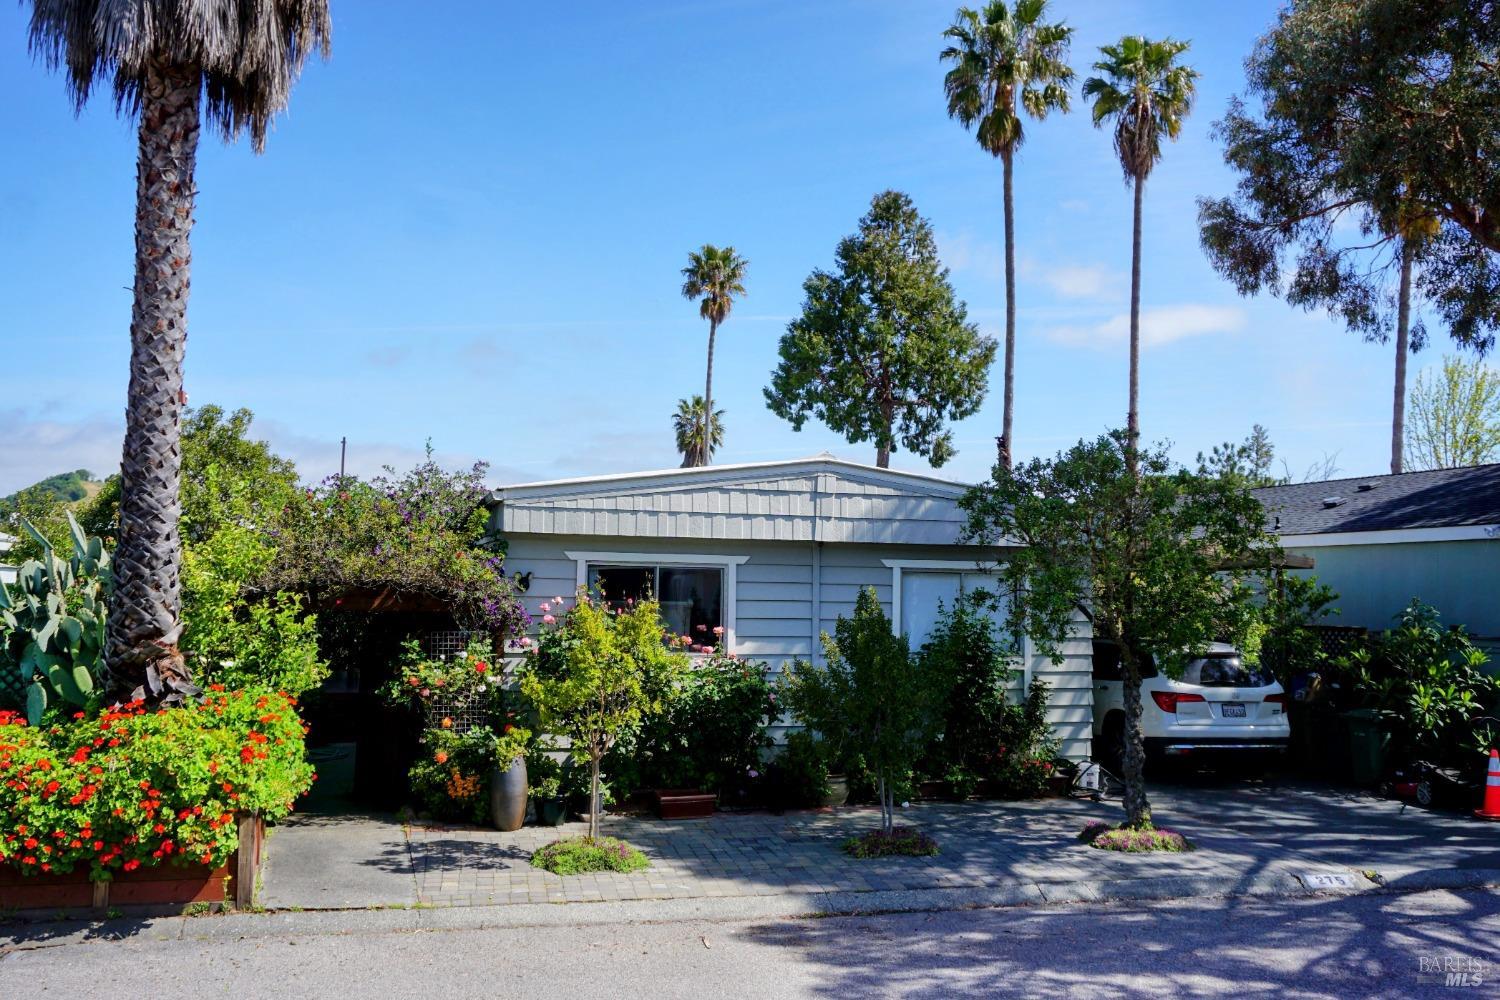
[69,487]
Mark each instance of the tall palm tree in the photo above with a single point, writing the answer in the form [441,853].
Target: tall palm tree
[1006,60]
[1146,94]
[687,422]
[171,64]
[714,276]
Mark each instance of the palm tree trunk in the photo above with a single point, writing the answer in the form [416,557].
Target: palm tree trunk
[145,613]
[706,445]
[1133,418]
[1008,413]
[1403,336]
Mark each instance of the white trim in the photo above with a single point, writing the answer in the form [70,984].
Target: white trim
[729,564]
[897,566]
[1456,533]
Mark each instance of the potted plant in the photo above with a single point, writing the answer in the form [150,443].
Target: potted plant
[508,779]
[545,773]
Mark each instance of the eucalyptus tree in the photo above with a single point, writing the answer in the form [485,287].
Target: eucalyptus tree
[1007,62]
[1146,94]
[171,66]
[687,425]
[714,276]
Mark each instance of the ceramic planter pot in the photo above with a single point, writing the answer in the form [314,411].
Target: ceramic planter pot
[508,796]
[551,812]
[838,790]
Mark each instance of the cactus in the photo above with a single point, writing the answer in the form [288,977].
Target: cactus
[52,622]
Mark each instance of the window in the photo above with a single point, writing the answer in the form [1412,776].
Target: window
[1226,671]
[691,597]
[928,594]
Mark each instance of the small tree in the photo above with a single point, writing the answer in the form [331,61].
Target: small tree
[1455,417]
[872,697]
[1161,561]
[883,350]
[600,672]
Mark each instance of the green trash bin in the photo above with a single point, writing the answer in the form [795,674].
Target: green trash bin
[1368,744]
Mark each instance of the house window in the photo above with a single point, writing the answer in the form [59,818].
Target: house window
[691,597]
[929,594]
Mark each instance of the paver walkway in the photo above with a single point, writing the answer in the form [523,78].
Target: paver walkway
[1246,834]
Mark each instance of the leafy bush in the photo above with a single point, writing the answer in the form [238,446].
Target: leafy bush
[711,733]
[798,776]
[1289,642]
[872,698]
[132,787]
[451,778]
[1429,685]
[1109,837]
[968,661]
[1023,758]
[573,855]
[900,840]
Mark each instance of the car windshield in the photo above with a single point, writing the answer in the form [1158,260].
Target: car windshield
[1226,671]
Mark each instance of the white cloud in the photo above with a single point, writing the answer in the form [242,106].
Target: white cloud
[965,252]
[1079,281]
[1159,326]
[36,448]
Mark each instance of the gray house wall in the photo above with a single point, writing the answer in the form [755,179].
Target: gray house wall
[1374,582]
[775,602]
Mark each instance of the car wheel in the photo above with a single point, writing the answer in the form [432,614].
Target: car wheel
[1425,794]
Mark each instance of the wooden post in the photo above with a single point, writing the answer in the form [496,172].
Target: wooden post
[246,862]
[101,895]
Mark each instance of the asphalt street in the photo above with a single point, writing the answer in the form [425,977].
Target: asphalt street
[1375,945]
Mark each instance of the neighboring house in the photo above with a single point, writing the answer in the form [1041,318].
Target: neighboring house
[7,569]
[773,553]
[1379,541]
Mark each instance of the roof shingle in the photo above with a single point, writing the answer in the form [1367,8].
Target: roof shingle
[1439,498]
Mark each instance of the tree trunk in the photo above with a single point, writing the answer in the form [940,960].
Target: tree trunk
[1403,337]
[882,447]
[1006,443]
[1137,809]
[594,796]
[141,653]
[706,446]
[1133,418]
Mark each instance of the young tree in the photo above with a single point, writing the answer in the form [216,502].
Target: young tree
[1455,416]
[715,277]
[871,698]
[162,61]
[883,350]
[687,425]
[597,674]
[1160,558]
[1147,95]
[1006,59]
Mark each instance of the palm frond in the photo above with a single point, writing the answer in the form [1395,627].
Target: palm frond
[1147,94]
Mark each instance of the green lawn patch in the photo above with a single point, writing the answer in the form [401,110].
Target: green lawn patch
[903,840]
[573,855]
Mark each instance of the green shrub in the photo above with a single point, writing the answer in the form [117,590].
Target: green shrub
[799,774]
[1023,758]
[131,787]
[573,855]
[1429,685]
[969,662]
[901,840]
[450,779]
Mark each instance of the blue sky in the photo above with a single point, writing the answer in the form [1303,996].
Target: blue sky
[469,228]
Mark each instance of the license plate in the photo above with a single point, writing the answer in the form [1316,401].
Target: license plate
[1232,710]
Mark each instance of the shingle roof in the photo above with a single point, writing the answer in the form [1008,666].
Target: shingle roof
[1440,498]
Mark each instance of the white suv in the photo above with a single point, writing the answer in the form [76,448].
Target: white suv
[1221,706]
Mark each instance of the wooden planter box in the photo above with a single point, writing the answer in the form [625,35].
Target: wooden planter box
[684,803]
[161,885]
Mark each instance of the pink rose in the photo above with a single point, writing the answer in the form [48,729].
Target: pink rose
[718,630]
[546,607]
[548,619]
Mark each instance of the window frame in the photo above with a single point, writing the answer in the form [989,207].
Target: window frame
[959,567]
[727,564]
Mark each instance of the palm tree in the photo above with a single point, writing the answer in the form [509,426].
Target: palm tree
[1147,95]
[714,276]
[687,422]
[1006,59]
[171,65]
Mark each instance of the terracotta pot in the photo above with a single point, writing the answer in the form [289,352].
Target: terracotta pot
[838,790]
[508,796]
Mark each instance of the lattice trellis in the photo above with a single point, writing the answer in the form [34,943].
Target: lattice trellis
[471,711]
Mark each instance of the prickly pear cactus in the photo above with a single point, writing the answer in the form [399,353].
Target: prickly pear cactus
[52,622]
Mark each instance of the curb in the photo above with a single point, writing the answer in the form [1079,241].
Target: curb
[316,923]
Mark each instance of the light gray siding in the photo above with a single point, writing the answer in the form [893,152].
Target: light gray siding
[775,600]
[1374,582]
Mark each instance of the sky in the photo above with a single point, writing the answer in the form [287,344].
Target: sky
[468,230]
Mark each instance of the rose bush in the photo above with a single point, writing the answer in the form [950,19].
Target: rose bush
[133,787]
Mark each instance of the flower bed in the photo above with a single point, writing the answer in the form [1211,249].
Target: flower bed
[1108,837]
[900,841]
[574,855]
[133,789]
